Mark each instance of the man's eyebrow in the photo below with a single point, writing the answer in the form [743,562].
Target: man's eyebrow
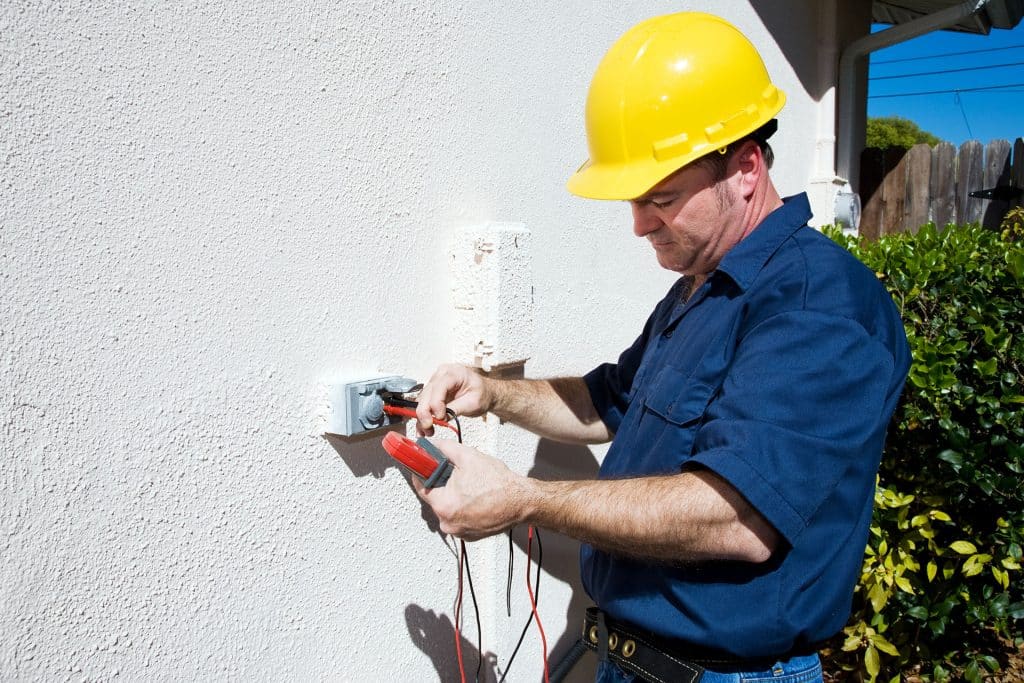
[656,195]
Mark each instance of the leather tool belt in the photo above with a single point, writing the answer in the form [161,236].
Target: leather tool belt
[661,660]
[637,651]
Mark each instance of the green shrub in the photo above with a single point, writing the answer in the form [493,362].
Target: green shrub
[1012,225]
[941,590]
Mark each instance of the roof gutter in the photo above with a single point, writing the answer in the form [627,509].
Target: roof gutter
[847,162]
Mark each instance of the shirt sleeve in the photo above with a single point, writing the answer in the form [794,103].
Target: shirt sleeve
[802,412]
[611,384]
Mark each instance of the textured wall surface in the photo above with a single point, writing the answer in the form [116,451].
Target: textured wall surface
[206,208]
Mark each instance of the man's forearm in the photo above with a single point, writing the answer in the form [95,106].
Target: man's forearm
[558,409]
[685,517]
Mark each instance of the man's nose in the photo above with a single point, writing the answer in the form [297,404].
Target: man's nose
[645,219]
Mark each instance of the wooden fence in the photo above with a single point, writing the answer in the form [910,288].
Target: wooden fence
[903,190]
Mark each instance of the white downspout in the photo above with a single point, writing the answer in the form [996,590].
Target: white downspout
[848,166]
[823,184]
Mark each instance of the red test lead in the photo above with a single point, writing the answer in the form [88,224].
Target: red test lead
[409,412]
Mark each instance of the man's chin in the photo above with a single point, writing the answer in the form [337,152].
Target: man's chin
[677,265]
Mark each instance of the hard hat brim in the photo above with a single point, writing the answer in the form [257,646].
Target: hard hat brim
[618,182]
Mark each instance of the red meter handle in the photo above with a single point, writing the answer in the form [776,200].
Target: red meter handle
[421,457]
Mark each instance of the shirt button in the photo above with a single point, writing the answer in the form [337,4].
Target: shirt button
[667,334]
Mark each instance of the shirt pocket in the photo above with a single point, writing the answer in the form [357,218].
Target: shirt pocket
[674,409]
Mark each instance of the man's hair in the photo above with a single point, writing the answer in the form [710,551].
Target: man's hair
[717,162]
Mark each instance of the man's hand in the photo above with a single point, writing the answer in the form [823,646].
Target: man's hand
[453,387]
[558,409]
[483,497]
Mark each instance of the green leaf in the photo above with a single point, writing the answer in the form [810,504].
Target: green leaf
[884,645]
[963,547]
[991,662]
[878,597]
[918,612]
[872,662]
[1015,264]
[987,368]
[1001,577]
[953,458]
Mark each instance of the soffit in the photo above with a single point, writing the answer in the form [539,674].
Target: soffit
[1004,14]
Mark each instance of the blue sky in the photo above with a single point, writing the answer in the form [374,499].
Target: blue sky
[954,116]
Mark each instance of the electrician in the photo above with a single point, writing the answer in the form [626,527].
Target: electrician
[726,529]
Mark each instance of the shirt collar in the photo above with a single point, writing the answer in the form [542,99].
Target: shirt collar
[745,260]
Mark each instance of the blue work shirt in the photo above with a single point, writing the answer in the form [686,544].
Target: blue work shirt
[780,374]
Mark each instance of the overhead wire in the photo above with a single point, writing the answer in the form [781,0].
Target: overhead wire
[943,92]
[991,89]
[944,54]
[960,102]
[946,71]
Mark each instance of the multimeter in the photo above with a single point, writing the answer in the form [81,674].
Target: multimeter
[421,457]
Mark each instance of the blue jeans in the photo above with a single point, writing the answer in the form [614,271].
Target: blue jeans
[806,669]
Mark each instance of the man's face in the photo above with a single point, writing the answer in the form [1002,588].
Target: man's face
[690,220]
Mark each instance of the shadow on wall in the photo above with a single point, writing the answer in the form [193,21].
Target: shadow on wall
[793,33]
[434,634]
[364,456]
[362,453]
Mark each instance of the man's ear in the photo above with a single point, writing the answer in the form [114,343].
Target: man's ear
[751,167]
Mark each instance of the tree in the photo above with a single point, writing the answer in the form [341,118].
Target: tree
[894,131]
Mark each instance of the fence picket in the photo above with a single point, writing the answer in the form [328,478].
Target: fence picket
[1017,169]
[943,184]
[969,176]
[919,171]
[997,174]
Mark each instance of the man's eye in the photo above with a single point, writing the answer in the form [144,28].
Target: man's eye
[663,204]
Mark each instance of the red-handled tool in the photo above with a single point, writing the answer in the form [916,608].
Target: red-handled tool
[421,457]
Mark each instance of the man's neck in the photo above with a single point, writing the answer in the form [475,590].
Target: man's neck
[764,200]
[691,285]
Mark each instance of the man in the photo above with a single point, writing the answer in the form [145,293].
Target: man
[726,529]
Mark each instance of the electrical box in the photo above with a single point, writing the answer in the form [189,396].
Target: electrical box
[357,406]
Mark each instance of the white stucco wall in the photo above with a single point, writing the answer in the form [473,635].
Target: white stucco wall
[205,209]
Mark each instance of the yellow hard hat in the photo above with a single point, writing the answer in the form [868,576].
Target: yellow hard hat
[670,90]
